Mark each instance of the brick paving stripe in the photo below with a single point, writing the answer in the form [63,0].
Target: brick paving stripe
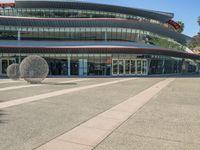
[89,134]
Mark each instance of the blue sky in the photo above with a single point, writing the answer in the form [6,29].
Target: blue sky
[184,10]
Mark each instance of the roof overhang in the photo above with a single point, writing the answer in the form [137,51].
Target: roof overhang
[98,48]
[157,15]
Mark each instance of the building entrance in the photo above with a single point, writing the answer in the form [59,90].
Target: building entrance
[58,67]
[129,67]
[74,67]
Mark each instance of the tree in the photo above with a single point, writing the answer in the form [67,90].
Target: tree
[195,42]
[199,25]
[199,20]
[182,26]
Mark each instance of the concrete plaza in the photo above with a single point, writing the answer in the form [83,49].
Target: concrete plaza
[101,113]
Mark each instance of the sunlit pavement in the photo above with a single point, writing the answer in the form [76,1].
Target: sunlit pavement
[32,116]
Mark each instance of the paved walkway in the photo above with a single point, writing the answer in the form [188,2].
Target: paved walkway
[53,94]
[102,114]
[28,125]
[89,134]
[170,121]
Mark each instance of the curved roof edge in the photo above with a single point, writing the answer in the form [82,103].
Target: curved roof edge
[74,43]
[93,22]
[157,15]
[92,47]
[99,50]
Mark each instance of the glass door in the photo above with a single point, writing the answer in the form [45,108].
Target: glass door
[114,67]
[74,67]
[133,67]
[139,67]
[83,67]
[127,67]
[121,67]
[144,67]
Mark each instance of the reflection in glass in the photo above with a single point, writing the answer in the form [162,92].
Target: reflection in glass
[144,67]
[121,67]
[127,67]
[133,67]
[115,67]
[139,67]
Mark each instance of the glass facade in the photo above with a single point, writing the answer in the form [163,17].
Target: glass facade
[103,64]
[74,13]
[124,63]
[86,34]
[68,64]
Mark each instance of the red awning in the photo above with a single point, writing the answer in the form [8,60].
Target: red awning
[4,5]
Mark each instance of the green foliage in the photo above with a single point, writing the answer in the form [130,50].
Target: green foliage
[182,26]
[195,42]
[164,43]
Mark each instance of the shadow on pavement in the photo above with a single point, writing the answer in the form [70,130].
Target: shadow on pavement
[2,114]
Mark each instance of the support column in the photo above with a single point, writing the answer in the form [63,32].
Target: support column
[69,66]
[0,67]
[197,68]
[106,36]
[19,58]
[184,67]
[163,65]
[149,70]
[18,35]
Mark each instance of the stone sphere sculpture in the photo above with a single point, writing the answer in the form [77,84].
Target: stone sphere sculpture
[34,69]
[13,72]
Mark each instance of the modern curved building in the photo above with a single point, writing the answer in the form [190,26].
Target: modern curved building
[89,39]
